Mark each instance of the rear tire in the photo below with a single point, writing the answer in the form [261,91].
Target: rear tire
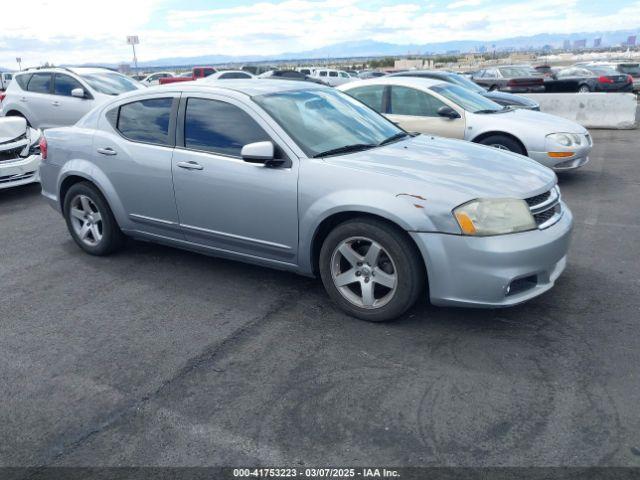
[90,220]
[371,269]
[584,89]
[503,142]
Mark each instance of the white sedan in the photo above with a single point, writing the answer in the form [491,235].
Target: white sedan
[439,108]
[19,152]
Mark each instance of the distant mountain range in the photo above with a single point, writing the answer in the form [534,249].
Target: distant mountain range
[371,48]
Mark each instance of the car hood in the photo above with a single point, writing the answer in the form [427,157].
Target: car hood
[529,121]
[510,99]
[455,170]
[11,128]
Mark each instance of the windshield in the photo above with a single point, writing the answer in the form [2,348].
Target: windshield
[603,70]
[468,100]
[110,83]
[464,82]
[321,121]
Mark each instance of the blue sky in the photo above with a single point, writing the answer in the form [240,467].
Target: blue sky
[75,31]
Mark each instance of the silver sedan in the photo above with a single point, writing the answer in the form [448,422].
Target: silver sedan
[440,108]
[302,177]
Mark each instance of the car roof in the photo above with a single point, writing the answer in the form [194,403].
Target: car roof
[415,82]
[248,87]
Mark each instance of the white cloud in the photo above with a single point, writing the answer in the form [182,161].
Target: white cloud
[75,31]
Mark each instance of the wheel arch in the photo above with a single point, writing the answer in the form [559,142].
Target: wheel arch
[330,222]
[484,135]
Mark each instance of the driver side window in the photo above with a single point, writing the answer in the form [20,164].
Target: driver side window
[412,102]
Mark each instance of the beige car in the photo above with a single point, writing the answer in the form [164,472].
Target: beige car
[435,107]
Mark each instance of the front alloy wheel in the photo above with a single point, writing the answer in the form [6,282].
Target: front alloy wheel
[363,272]
[371,269]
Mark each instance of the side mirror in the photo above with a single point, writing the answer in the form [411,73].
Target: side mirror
[448,112]
[78,93]
[260,152]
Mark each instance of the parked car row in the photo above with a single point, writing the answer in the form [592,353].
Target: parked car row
[301,177]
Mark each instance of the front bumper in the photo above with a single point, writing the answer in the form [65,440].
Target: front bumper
[496,271]
[579,158]
[20,171]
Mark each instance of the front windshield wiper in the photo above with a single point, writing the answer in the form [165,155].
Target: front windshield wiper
[393,138]
[356,147]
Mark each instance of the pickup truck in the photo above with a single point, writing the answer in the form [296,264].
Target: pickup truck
[196,73]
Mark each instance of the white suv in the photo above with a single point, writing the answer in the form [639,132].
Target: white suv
[333,77]
[56,97]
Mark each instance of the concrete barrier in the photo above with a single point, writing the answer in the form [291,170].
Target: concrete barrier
[592,110]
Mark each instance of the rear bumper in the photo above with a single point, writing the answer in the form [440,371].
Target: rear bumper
[496,271]
[21,171]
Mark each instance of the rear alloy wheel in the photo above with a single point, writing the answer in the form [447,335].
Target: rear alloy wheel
[584,89]
[90,220]
[371,270]
[502,142]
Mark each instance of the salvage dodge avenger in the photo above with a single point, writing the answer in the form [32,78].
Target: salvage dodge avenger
[304,178]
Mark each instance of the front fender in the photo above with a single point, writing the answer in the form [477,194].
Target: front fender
[406,210]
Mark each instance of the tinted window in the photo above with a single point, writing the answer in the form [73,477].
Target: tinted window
[40,83]
[333,74]
[64,84]
[208,71]
[466,99]
[370,96]
[233,75]
[408,101]
[7,76]
[219,127]
[23,80]
[323,73]
[146,121]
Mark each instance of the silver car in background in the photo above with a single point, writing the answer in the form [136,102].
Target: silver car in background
[55,97]
[19,153]
[302,177]
[436,107]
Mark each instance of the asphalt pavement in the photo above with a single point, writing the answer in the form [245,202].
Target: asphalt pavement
[156,356]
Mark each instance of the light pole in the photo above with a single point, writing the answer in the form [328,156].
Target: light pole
[133,40]
[19,60]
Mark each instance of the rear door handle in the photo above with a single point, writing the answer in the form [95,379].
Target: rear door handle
[55,103]
[23,99]
[107,151]
[190,165]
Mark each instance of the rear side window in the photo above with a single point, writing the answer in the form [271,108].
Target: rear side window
[23,80]
[64,84]
[40,83]
[370,96]
[219,127]
[323,73]
[146,121]
[333,74]
[233,75]
[408,101]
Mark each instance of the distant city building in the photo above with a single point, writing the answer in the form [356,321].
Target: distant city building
[631,41]
[566,45]
[124,68]
[579,44]
[597,43]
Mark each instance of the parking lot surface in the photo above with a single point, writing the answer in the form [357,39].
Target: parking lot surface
[156,356]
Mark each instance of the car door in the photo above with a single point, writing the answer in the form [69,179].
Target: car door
[67,109]
[133,146]
[38,100]
[417,111]
[224,202]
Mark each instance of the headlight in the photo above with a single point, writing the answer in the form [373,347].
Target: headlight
[494,216]
[566,139]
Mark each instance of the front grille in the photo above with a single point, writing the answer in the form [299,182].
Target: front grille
[10,154]
[532,201]
[15,178]
[546,207]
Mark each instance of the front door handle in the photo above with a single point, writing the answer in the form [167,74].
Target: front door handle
[107,151]
[190,165]
[55,103]
[23,99]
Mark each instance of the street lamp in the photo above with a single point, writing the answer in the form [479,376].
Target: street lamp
[19,60]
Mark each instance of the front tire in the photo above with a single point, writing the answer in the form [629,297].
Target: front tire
[584,89]
[90,220]
[502,142]
[371,269]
